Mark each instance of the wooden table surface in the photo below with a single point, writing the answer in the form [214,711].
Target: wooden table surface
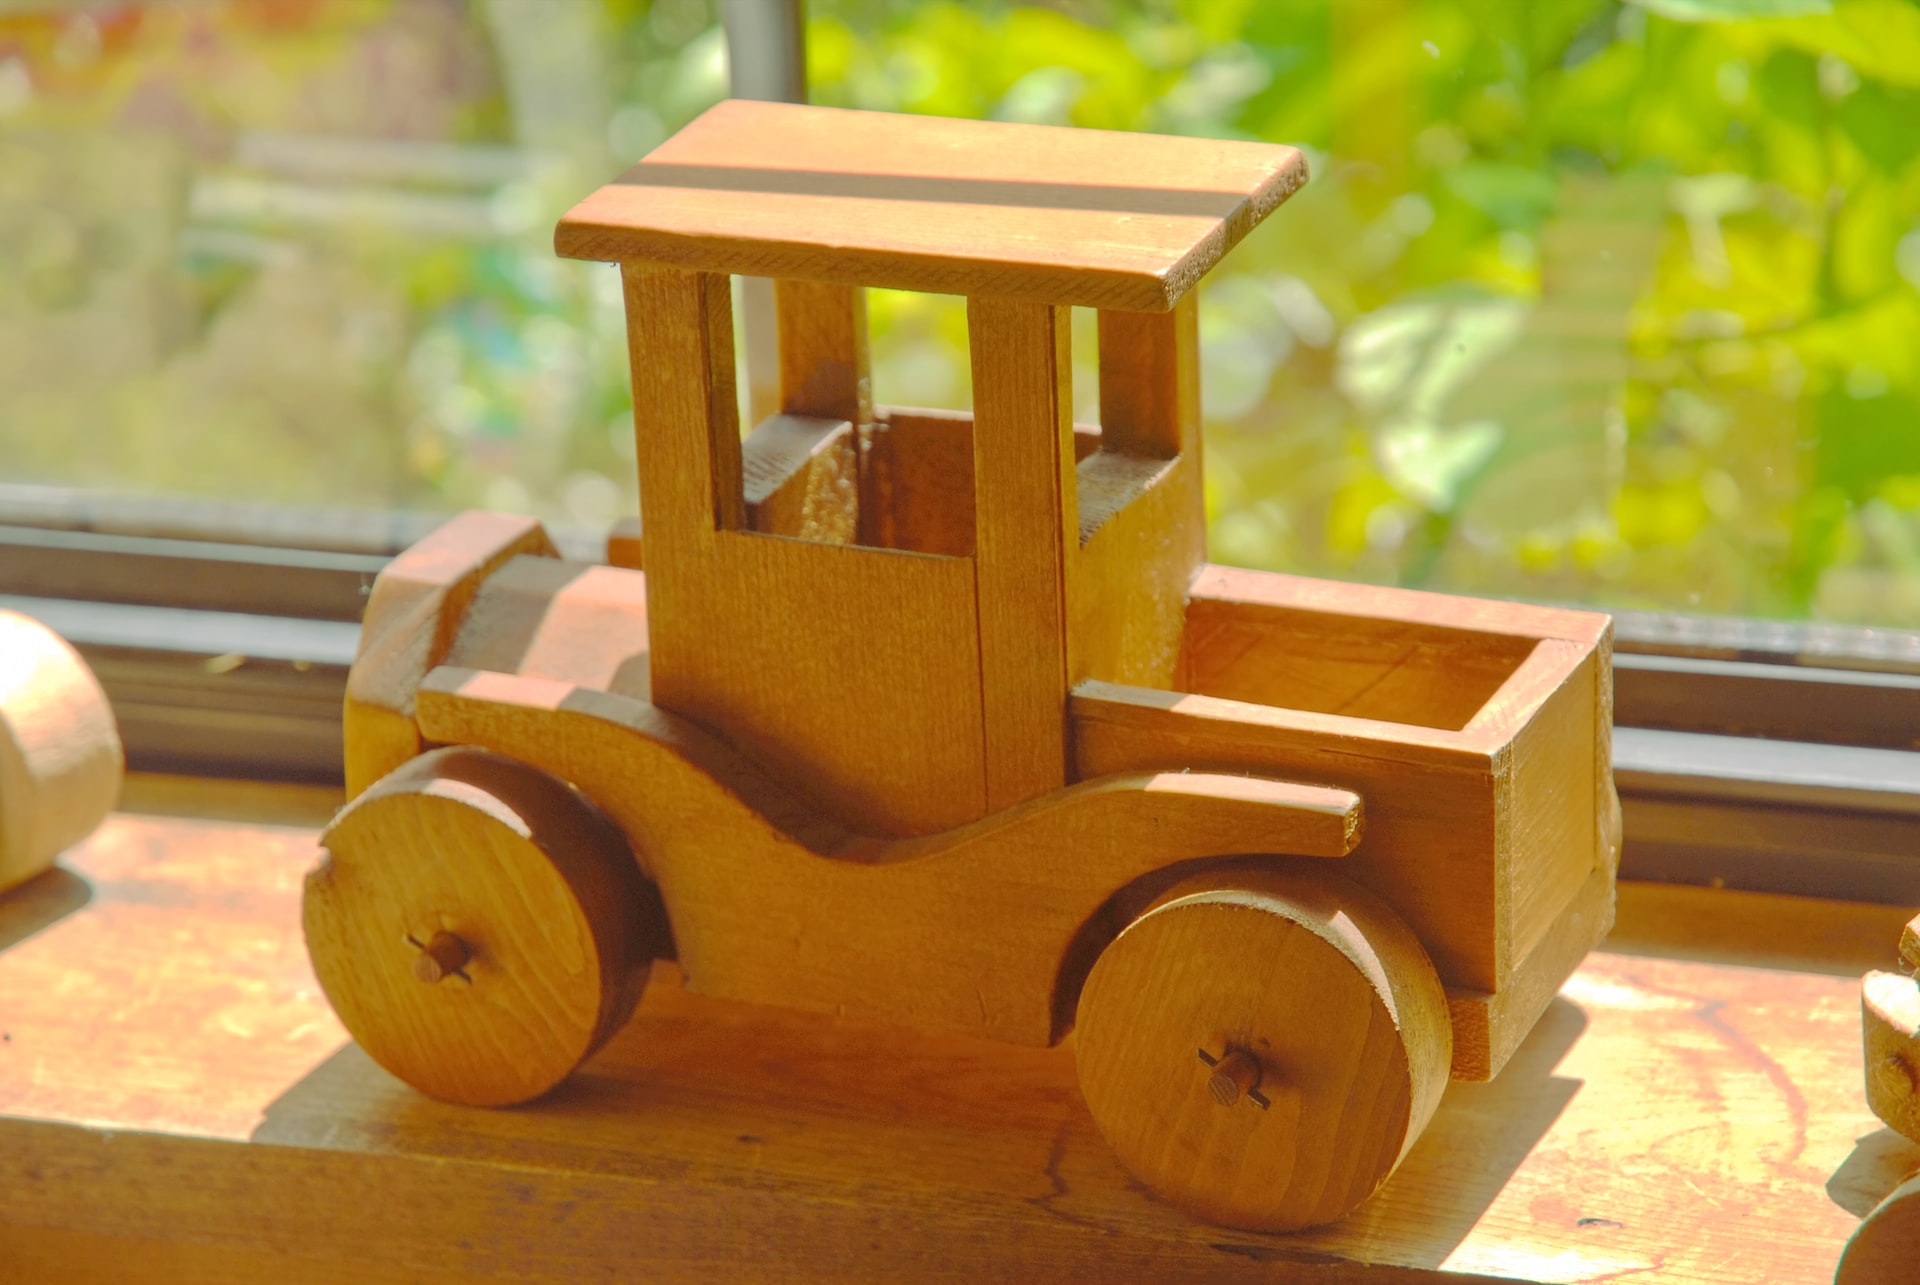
[178,1103]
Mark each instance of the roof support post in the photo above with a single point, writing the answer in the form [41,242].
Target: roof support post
[1024,515]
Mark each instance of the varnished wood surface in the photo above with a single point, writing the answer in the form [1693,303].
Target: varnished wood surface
[177,1103]
[1050,215]
[60,757]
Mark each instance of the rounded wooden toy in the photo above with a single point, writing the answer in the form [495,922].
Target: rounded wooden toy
[943,719]
[1885,1249]
[60,758]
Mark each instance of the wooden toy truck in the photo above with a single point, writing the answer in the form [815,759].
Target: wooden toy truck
[943,719]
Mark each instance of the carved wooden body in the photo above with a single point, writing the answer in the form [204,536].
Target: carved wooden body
[943,719]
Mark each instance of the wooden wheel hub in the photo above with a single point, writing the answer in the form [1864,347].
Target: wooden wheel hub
[511,898]
[441,957]
[1300,992]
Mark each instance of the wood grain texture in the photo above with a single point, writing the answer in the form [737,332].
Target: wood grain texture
[1044,214]
[1024,514]
[824,371]
[412,618]
[1331,661]
[502,877]
[1555,820]
[918,488]
[971,931]
[1150,381]
[1141,506]
[802,478]
[685,417]
[1423,678]
[1890,1043]
[1313,982]
[917,493]
[1488,1027]
[1429,845]
[853,673]
[60,757]
[549,618]
[176,1103]
[821,641]
[1400,606]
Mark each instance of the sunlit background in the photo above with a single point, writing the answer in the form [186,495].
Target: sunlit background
[1592,301]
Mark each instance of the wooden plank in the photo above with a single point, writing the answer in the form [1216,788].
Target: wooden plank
[412,617]
[1045,214]
[208,798]
[1431,821]
[918,488]
[1333,659]
[1488,1029]
[1804,851]
[686,420]
[1381,602]
[572,621]
[624,544]
[1024,512]
[823,351]
[1551,809]
[1141,505]
[176,1102]
[802,478]
[853,673]
[917,491]
[1150,381]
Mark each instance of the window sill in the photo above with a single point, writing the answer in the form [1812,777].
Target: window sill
[711,1132]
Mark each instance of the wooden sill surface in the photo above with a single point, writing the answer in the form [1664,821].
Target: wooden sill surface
[177,1103]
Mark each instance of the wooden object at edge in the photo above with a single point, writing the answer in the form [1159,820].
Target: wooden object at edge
[1886,1248]
[60,757]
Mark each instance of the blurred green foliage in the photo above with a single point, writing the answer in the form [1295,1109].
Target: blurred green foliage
[1588,300]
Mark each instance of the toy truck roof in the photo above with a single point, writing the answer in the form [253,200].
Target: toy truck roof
[1054,215]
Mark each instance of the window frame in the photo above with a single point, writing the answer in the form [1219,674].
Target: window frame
[1763,755]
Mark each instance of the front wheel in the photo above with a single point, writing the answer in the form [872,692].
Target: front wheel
[1262,1047]
[479,927]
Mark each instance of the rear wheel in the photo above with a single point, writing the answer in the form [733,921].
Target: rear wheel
[1261,1047]
[479,928]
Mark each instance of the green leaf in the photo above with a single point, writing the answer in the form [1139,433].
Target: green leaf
[1514,196]
[1732,10]
[1864,440]
[1884,124]
[1879,39]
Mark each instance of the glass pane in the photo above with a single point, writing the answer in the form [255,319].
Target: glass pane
[300,251]
[1586,301]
